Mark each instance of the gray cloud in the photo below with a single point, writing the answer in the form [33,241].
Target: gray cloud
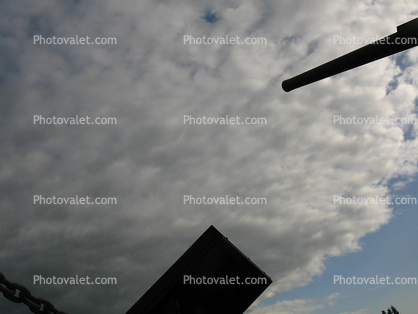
[150,159]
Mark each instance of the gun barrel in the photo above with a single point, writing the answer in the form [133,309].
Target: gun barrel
[406,37]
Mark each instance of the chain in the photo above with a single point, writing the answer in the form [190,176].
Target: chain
[9,291]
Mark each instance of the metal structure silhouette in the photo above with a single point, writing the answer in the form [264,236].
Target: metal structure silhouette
[406,37]
[24,296]
[211,256]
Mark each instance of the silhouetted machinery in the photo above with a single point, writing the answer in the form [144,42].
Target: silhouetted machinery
[406,37]
[209,278]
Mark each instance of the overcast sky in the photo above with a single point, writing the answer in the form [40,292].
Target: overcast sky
[298,161]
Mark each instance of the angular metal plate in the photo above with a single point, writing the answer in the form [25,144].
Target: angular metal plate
[212,257]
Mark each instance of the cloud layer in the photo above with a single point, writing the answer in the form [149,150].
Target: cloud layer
[298,161]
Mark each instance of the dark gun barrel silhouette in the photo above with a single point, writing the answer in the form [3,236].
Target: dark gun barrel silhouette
[406,37]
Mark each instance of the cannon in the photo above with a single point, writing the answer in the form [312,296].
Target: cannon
[405,38]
